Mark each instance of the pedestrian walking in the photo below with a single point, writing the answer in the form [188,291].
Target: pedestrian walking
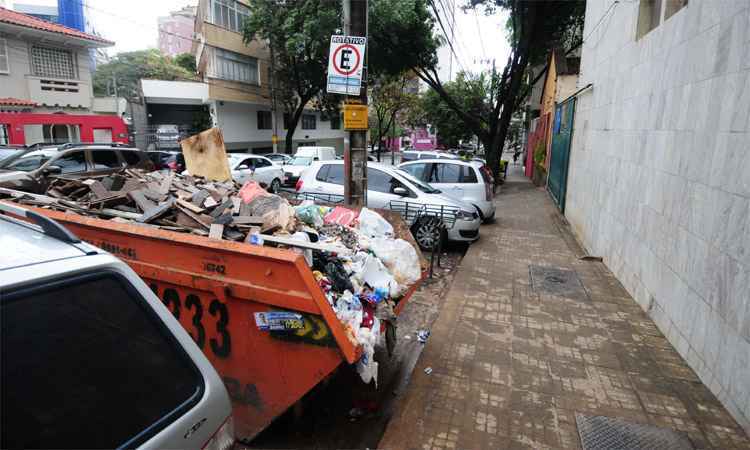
[516,154]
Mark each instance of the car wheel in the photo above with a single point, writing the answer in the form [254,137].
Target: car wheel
[428,233]
[275,186]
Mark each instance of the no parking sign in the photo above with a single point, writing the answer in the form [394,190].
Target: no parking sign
[345,61]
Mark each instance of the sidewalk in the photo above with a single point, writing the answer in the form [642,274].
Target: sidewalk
[511,366]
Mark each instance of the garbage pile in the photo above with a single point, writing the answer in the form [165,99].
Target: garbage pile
[357,260]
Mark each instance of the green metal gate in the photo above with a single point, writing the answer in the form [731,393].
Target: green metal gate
[562,132]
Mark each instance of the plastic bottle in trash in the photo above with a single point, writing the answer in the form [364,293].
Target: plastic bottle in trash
[256,239]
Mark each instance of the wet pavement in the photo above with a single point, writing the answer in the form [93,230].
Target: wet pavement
[530,335]
[342,412]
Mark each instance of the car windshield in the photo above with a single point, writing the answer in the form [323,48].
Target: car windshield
[7,154]
[421,185]
[301,161]
[31,161]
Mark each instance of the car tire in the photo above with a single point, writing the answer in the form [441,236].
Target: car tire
[275,186]
[489,219]
[428,233]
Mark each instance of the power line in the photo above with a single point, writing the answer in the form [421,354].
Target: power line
[445,33]
[479,31]
[611,7]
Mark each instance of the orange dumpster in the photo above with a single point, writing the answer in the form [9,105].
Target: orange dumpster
[214,288]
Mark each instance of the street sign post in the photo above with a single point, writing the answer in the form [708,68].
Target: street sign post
[346,59]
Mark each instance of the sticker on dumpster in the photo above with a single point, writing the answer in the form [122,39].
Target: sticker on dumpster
[279,321]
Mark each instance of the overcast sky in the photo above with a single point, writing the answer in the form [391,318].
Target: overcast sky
[132,24]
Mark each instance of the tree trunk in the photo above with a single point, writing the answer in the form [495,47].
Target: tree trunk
[289,140]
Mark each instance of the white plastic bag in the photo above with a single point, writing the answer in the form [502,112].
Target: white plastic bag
[307,253]
[376,275]
[349,311]
[372,224]
[367,367]
[400,257]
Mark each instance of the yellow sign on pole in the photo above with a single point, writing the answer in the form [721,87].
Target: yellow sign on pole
[355,117]
[274,139]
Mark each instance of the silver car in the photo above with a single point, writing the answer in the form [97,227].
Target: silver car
[90,357]
[422,206]
[467,181]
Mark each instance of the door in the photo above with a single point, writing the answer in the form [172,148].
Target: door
[380,187]
[562,132]
[104,162]
[244,171]
[265,171]
[329,179]
[447,178]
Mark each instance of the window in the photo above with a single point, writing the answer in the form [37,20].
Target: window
[131,157]
[60,133]
[380,181]
[468,175]
[73,162]
[673,6]
[336,122]
[3,135]
[262,163]
[249,163]
[417,170]
[105,346]
[308,121]
[235,67]
[322,173]
[335,174]
[264,120]
[446,173]
[229,14]
[4,60]
[105,159]
[52,62]
[653,12]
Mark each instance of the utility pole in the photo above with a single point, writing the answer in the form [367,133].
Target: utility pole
[355,147]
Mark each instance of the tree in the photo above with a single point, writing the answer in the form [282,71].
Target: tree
[186,61]
[299,32]
[127,69]
[471,93]
[388,97]
[533,26]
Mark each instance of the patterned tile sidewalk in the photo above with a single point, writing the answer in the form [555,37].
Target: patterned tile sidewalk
[511,366]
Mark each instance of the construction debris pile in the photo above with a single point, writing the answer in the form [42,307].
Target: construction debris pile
[361,266]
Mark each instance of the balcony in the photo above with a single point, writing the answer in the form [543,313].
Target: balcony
[59,92]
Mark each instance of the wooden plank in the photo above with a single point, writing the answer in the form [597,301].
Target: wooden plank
[206,156]
[157,211]
[153,195]
[221,209]
[243,220]
[123,214]
[199,197]
[216,231]
[190,206]
[99,190]
[209,202]
[308,245]
[143,203]
[192,215]
[186,221]
[166,184]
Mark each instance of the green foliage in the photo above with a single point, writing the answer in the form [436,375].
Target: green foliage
[471,94]
[130,67]
[540,153]
[387,98]
[186,61]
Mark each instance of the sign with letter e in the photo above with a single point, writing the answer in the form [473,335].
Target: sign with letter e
[345,61]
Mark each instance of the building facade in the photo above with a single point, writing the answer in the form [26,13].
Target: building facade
[45,70]
[238,80]
[176,31]
[659,174]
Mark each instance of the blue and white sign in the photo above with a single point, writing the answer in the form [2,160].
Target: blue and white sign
[346,59]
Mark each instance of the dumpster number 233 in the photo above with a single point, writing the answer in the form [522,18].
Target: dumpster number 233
[220,346]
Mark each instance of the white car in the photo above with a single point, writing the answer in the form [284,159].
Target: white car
[389,188]
[91,357]
[247,167]
[463,180]
[279,159]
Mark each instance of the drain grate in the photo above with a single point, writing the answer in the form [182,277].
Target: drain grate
[556,281]
[607,433]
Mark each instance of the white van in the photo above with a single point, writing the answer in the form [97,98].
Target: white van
[302,160]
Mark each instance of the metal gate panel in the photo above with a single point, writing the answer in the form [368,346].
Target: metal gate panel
[562,133]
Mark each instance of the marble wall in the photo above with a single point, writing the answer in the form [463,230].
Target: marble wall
[659,177]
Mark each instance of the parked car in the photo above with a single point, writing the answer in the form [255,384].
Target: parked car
[91,358]
[304,157]
[174,161]
[248,167]
[391,188]
[279,159]
[462,180]
[31,171]
[10,153]
[167,137]
[414,155]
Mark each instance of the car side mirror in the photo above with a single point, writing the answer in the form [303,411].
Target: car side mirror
[242,167]
[52,170]
[402,191]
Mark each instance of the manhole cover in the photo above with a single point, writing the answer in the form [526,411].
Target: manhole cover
[557,281]
[607,433]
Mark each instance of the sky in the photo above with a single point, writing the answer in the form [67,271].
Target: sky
[132,24]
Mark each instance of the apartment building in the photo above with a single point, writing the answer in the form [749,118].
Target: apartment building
[176,31]
[238,79]
[46,92]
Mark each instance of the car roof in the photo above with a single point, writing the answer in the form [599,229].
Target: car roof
[438,160]
[25,244]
